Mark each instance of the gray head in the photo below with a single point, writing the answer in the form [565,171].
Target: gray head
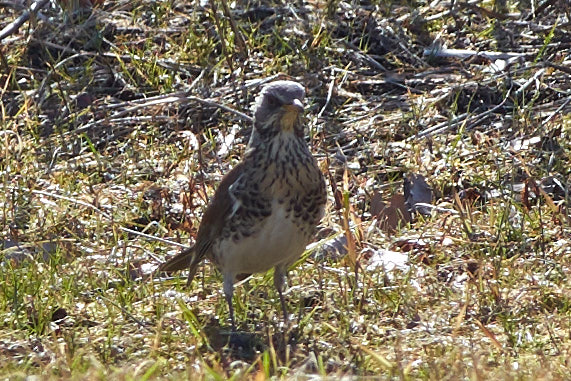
[279,107]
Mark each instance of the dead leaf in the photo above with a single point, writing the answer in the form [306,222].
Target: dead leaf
[417,190]
[395,214]
[522,144]
[58,315]
[386,259]
[470,195]
[530,190]
[408,245]
[378,358]
[490,335]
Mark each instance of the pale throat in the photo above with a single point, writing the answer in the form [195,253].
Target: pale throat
[288,121]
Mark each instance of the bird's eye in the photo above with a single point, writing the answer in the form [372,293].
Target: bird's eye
[272,101]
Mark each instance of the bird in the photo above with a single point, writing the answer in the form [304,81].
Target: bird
[267,208]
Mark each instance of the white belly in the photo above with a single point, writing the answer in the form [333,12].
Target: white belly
[277,242]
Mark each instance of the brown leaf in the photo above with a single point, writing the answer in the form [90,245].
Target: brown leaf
[526,193]
[470,195]
[58,315]
[490,335]
[395,214]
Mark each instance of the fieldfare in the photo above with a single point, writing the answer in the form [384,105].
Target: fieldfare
[266,209]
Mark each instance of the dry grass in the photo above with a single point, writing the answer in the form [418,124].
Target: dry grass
[112,127]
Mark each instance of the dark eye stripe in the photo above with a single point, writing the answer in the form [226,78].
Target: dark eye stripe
[272,100]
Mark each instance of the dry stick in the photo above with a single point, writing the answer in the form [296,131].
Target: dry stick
[182,96]
[451,10]
[440,52]
[177,97]
[147,101]
[546,4]
[99,211]
[370,60]
[237,35]
[140,101]
[435,129]
[437,208]
[196,80]
[562,68]
[557,111]
[138,321]
[412,55]
[211,102]
[533,79]
[487,13]
[221,34]
[14,25]
[43,84]
[12,4]
[167,64]
[259,81]
[81,53]
[448,125]
[329,94]
[167,98]
[437,16]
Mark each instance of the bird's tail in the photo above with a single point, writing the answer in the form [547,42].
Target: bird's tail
[183,260]
[179,262]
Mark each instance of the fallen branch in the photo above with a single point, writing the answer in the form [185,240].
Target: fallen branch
[440,52]
[178,97]
[14,25]
[105,215]
[463,118]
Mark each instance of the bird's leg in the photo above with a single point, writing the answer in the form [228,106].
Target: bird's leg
[279,281]
[228,292]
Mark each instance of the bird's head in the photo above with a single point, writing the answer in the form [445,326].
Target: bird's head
[279,107]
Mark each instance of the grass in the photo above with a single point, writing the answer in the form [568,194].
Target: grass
[89,162]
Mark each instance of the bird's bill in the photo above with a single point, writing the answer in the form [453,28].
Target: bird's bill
[290,114]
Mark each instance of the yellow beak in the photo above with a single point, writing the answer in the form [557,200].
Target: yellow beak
[291,112]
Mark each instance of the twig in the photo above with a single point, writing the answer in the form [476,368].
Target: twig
[211,102]
[12,4]
[138,321]
[329,94]
[102,213]
[237,34]
[166,63]
[556,111]
[196,80]
[441,126]
[437,16]
[14,25]
[533,79]
[562,68]
[448,125]
[359,53]
[437,51]
[222,35]
[178,97]
[437,208]
[412,55]
[260,81]
[488,13]
[535,12]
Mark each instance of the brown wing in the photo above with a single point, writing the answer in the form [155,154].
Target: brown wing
[210,227]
